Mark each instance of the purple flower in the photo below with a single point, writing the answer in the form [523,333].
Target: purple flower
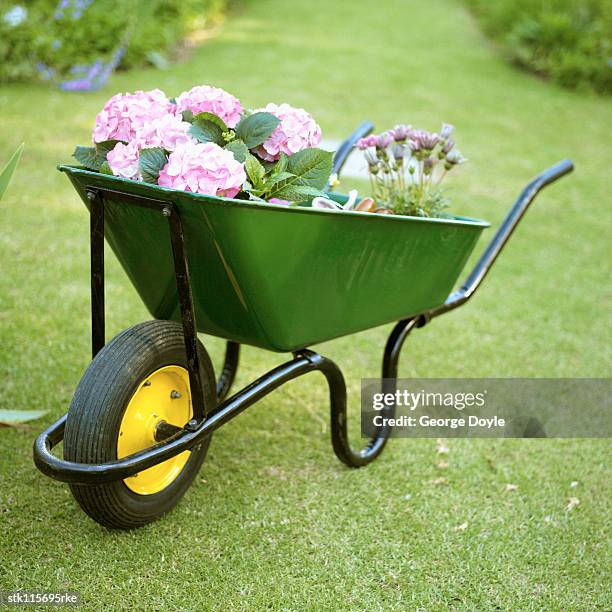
[398,152]
[401,132]
[46,72]
[367,142]
[426,140]
[428,165]
[447,130]
[384,140]
[454,158]
[448,145]
[373,162]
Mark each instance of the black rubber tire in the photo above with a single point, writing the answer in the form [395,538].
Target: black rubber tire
[98,406]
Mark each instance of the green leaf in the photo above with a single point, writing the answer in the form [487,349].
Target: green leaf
[281,164]
[255,128]
[269,166]
[104,147]
[298,193]
[106,169]
[9,169]
[93,157]
[255,171]
[204,130]
[310,168]
[86,156]
[14,417]
[213,119]
[187,116]
[239,149]
[150,162]
[278,178]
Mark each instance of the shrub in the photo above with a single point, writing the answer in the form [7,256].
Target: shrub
[569,41]
[70,39]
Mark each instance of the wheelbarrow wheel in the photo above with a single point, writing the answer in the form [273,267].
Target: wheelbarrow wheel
[137,381]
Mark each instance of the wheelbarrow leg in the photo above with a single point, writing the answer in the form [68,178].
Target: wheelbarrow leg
[337,396]
[228,373]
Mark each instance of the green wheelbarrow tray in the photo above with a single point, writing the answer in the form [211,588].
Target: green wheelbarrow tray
[281,278]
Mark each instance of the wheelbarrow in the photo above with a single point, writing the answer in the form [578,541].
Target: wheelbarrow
[274,277]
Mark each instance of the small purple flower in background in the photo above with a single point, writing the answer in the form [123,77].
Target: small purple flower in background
[448,145]
[426,140]
[78,8]
[365,143]
[447,130]
[94,76]
[373,162]
[401,132]
[89,77]
[61,7]
[398,152]
[383,140]
[46,73]
[414,145]
[454,158]
[15,16]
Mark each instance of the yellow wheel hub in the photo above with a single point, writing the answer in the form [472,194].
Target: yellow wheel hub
[163,396]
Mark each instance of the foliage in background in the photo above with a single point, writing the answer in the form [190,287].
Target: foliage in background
[569,41]
[80,42]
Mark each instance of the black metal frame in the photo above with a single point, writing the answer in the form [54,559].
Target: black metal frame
[303,362]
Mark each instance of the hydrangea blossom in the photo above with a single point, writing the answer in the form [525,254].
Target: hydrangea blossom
[296,131]
[203,168]
[123,160]
[207,99]
[124,114]
[166,132]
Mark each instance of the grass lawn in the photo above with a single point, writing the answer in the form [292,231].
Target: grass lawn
[274,520]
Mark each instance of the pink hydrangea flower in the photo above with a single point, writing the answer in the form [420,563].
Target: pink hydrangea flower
[207,99]
[296,131]
[203,168]
[166,132]
[123,160]
[124,114]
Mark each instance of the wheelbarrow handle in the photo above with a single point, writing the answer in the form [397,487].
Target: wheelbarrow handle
[502,235]
[346,148]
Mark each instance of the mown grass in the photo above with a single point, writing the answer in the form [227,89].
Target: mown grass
[274,520]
